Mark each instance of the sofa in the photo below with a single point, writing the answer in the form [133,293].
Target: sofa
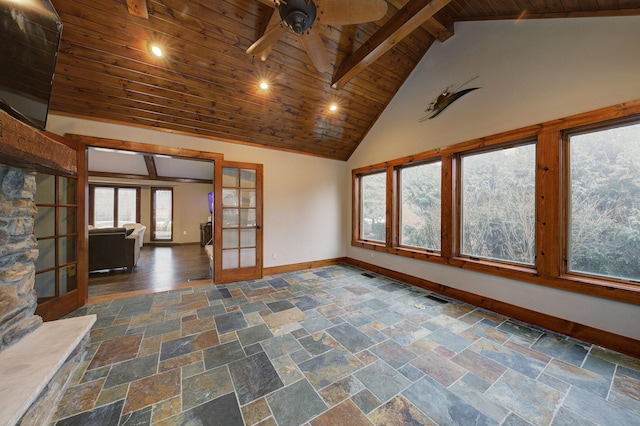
[111,248]
[138,231]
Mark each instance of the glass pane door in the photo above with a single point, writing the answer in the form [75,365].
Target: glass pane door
[162,214]
[238,218]
[240,251]
[56,230]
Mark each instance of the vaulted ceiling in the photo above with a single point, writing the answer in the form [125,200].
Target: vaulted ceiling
[206,84]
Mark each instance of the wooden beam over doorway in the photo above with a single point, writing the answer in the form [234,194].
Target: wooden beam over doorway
[24,146]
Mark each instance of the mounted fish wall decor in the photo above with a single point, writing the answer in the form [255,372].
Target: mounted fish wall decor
[446,98]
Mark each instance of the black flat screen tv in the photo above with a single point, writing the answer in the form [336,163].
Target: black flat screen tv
[30,32]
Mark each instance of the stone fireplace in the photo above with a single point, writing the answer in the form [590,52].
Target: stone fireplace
[18,252]
[36,358]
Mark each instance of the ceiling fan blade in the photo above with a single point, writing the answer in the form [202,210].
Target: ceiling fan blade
[272,35]
[273,21]
[340,12]
[270,3]
[315,49]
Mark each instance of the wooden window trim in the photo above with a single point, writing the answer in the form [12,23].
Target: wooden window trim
[551,240]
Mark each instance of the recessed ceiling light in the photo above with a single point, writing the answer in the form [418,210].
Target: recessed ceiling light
[264,85]
[156,50]
[333,107]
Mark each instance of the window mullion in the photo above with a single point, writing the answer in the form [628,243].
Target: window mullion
[392,209]
[356,199]
[56,228]
[116,201]
[548,204]
[447,222]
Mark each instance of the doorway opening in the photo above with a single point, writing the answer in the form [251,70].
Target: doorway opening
[159,200]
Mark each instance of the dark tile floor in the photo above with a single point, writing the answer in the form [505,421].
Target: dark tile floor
[330,346]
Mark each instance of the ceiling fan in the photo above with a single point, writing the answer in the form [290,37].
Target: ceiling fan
[300,16]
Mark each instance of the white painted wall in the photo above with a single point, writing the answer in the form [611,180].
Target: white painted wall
[530,72]
[191,208]
[304,219]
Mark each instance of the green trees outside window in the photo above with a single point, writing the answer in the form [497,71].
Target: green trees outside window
[604,209]
[373,207]
[498,204]
[420,193]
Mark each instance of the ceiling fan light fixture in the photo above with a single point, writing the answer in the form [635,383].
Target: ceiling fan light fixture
[298,14]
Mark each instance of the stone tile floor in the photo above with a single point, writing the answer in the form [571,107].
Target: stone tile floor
[331,346]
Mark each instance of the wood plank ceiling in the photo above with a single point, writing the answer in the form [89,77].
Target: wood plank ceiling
[206,85]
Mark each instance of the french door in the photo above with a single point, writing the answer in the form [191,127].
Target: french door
[238,222]
[60,229]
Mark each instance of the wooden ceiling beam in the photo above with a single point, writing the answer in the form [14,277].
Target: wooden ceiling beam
[138,8]
[411,16]
[433,26]
[185,153]
[438,30]
[150,162]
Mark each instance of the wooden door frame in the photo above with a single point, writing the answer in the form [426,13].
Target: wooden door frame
[83,143]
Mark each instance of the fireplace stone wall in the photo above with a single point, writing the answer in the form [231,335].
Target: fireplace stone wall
[18,253]
[36,359]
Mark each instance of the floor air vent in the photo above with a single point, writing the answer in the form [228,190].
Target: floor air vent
[436,298]
[364,274]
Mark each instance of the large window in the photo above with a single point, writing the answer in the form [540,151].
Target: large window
[604,204]
[128,205]
[498,204]
[420,199]
[113,205]
[161,214]
[373,207]
[556,204]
